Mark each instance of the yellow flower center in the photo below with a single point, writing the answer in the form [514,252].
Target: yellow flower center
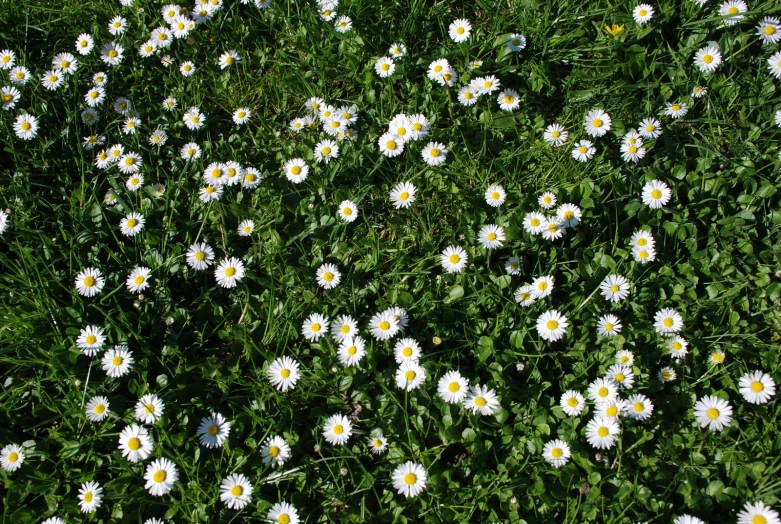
[328,276]
[236,491]
[769,30]
[758,519]
[733,10]
[13,457]
[273,451]
[117,361]
[492,236]
[149,408]
[480,402]
[200,255]
[460,30]
[757,386]
[315,327]
[718,358]
[552,324]
[619,377]
[345,329]
[666,375]
[347,211]
[295,170]
[713,413]
[390,144]
[19,75]
[454,259]
[676,107]
[643,254]
[160,476]
[614,288]
[88,497]
[338,429]
[134,443]
[639,407]
[417,126]
[241,114]
[410,479]
[552,228]
[404,195]
[434,152]
[352,350]
[488,84]
[642,12]
[572,402]
[668,322]
[283,519]
[437,68]
[603,432]
[603,392]
[89,281]
[385,67]
[7,97]
[555,134]
[656,194]
[534,222]
[229,60]
[633,150]
[385,325]
[454,387]
[495,196]
[100,409]
[409,375]
[195,120]
[326,150]
[132,222]
[26,126]
[112,53]
[468,95]
[407,351]
[377,443]
[508,99]
[249,177]
[247,229]
[597,122]
[91,339]
[707,59]
[285,373]
[229,272]
[612,411]
[582,150]
[608,326]
[556,453]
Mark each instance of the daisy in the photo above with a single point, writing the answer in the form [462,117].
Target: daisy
[378,445]
[542,286]
[625,357]
[344,326]
[495,196]
[315,326]
[20,75]
[296,170]
[112,53]
[677,347]
[390,145]
[406,349]
[348,211]
[384,325]
[397,51]
[90,497]
[707,59]
[275,451]
[402,195]
[228,59]
[214,430]
[9,96]
[229,272]
[236,491]
[100,79]
[169,104]
[572,403]
[400,126]
[609,326]
[482,400]
[774,64]
[343,24]
[524,295]
[570,214]
[676,110]
[194,119]
[437,68]
[667,374]
[283,513]
[90,340]
[200,256]
[467,96]
[615,288]
[384,66]
[732,11]
[535,222]
[246,227]
[757,387]
[513,266]
[509,100]
[453,259]
[135,443]
[649,128]
[97,409]
[643,13]
[132,224]
[769,30]
[160,477]
[603,390]
[601,432]
[583,151]
[283,373]
[699,91]
[252,178]
[328,276]
[57,520]
[135,182]
[337,430]
[460,30]
[149,409]
[642,238]
[7,59]
[326,150]
[491,236]
[84,44]
[688,519]
[597,123]
[187,68]
[89,282]
[328,10]
[621,375]
[551,325]
[409,479]
[434,153]
[632,153]
[420,126]
[713,413]
[11,457]
[613,409]
[410,375]
[639,407]
[158,138]
[556,453]
[53,79]
[758,513]
[644,254]
[351,351]
[487,84]
[656,194]
[26,127]
[400,315]
[117,362]
[452,387]
[516,43]
[66,63]
[555,135]
[668,321]
[190,151]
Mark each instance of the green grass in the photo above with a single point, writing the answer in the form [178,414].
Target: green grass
[203,348]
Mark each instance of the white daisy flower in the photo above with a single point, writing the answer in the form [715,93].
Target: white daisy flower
[89,282]
[615,288]
[117,362]
[555,135]
[236,491]
[491,236]
[213,430]
[601,432]
[644,254]
[97,409]
[481,400]
[572,403]
[454,259]
[351,351]
[406,349]
[149,409]
[758,513]
[384,66]
[556,453]
[409,479]
[597,123]
[516,43]
[326,150]
[676,109]
[200,256]
[713,413]
[315,327]
[410,375]
[513,266]
[90,497]
[774,64]
[328,276]
[621,375]
[283,513]
[649,128]
[668,321]
[135,443]
[639,407]
[337,430]
[434,153]
[246,227]
[707,59]
[509,100]
[757,387]
[452,387]
[402,195]
[228,59]
[732,11]
[468,96]
[344,326]
[275,451]
[534,222]
[283,373]
[91,340]
[132,224]
[378,444]
[643,13]
[11,457]
[542,286]
[495,196]
[138,280]
[160,477]
[609,326]
[460,30]
[296,170]
[769,30]
[603,390]
[84,44]
[656,194]
[583,151]
[229,272]
[397,51]
[348,211]
[625,357]
[524,295]
[384,325]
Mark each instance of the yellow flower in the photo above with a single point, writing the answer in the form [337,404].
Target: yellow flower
[614,29]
